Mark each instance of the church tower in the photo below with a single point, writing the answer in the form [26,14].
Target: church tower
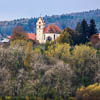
[40,25]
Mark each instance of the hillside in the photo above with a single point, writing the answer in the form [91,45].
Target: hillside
[63,21]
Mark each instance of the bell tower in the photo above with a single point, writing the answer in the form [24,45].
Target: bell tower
[40,25]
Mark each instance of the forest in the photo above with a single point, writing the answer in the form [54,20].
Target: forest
[63,21]
[65,69]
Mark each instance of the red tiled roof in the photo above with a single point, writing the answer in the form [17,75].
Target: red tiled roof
[31,36]
[99,36]
[52,29]
[95,38]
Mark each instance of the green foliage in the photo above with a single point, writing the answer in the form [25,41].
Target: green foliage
[74,36]
[52,84]
[84,30]
[52,71]
[67,20]
[84,64]
[92,27]
[77,29]
[65,37]
[60,51]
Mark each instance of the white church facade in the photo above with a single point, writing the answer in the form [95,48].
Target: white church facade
[43,33]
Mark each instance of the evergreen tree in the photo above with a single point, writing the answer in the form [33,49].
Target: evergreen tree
[77,29]
[74,35]
[92,28]
[84,30]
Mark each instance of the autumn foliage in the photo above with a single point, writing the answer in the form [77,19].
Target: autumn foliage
[18,33]
[92,92]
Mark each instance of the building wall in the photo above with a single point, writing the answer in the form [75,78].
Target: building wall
[53,36]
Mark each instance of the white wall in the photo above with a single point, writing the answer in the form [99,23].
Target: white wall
[39,30]
[46,35]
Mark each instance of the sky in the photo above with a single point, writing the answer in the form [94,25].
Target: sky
[15,9]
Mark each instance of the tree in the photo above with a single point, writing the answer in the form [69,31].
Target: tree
[77,29]
[74,36]
[59,51]
[84,64]
[18,33]
[92,28]
[84,30]
[28,53]
[53,81]
[65,37]
[92,92]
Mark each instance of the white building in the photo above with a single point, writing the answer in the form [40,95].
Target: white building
[46,33]
[43,33]
[4,40]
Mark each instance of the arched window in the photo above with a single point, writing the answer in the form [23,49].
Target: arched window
[54,36]
[49,38]
[44,37]
[39,26]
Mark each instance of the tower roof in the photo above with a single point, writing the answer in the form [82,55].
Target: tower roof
[40,20]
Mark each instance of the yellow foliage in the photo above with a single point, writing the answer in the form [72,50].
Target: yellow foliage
[28,53]
[27,98]
[92,92]
[37,51]
[83,52]
[72,98]
[61,51]
[17,43]
[64,37]
[28,48]
[7,97]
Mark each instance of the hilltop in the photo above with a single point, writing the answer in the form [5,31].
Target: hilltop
[63,21]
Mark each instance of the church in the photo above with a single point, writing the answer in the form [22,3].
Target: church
[43,33]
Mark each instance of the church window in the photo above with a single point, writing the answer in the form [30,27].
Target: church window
[54,37]
[49,38]
[39,22]
[44,37]
[39,26]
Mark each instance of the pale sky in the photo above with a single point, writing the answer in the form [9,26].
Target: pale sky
[14,9]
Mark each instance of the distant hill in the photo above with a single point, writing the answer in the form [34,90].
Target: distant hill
[63,21]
